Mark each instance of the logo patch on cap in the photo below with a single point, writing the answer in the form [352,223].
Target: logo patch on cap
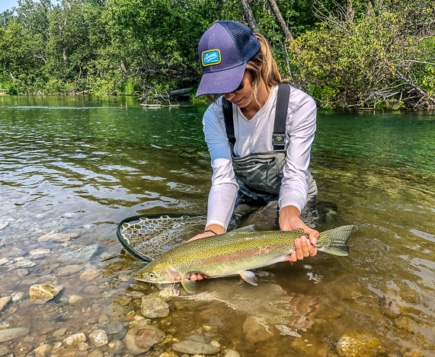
[211,57]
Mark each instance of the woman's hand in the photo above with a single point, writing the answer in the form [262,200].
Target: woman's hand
[289,219]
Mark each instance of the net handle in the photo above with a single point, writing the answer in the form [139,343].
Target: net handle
[133,251]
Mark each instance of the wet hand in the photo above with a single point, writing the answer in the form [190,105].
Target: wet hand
[289,219]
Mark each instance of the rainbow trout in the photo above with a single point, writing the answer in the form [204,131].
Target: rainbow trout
[235,253]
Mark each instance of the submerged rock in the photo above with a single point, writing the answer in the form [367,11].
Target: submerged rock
[154,307]
[4,301]
[256,330]
[58,237]
[13,333]
[195,347]
[139,340]
[360,345]
[75,339]
[99,337]
[41,293]
[43,350]
[80,255]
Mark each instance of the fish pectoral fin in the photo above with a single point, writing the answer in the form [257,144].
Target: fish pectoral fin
[189,285]
[249,277]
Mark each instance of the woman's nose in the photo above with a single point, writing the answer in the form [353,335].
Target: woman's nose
[229,96]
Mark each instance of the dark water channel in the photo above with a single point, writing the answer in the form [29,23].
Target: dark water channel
[71,169]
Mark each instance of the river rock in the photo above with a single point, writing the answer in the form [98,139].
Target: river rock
[154,307]
[43,350]
[99,338]
[90,274]
[195,347]
[139,340]
[39,253]
[57,237]
[75,339]
[4,350]
[4,301]
[13,333]
[256,330]
[80,255]
[75,299]
[69,269]
[232,353]
[41,293]
[360,345]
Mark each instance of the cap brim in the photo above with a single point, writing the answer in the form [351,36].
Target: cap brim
[221,82]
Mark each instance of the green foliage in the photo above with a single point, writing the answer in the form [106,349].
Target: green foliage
[373,61]
[361,56]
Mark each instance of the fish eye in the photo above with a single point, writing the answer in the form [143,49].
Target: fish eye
[152,275]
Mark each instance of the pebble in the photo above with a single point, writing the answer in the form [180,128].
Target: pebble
[154,307]
[4,351]
[231,353]
[90,274]
[75,299]
[13,333]
[80,255]
[39,253]
[256,330]
[3,261]
[140,339]
[4,301]
[69,269]
[75,339]
[57,237]
[41,293]
[194,347]
[99,338]
[356,344]
[43,350]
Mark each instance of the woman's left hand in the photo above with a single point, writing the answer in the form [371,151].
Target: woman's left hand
[288,220]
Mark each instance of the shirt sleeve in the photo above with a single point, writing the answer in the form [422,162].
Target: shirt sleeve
[223,192]
[301,127]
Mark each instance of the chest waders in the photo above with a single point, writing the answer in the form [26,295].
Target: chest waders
[259,175]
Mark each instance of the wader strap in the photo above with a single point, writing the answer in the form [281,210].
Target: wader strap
[278,137]
[227,108]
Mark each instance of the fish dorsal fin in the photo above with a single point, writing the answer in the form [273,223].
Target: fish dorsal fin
[249,277]
[247,229]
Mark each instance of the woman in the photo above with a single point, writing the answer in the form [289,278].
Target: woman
[239,65]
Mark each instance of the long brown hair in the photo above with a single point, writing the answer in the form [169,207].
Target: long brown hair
[263,66]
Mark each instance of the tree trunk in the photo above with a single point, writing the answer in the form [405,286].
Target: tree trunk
[281,21]
[249,16]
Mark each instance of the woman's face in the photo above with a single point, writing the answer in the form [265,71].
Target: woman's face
[244,96]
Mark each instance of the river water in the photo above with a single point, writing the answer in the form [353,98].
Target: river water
[72,168]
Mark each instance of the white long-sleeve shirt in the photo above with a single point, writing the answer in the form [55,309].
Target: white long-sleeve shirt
[255,136]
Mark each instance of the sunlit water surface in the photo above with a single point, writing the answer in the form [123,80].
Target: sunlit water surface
[77,166]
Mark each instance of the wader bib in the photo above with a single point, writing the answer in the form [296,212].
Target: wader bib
[259,175]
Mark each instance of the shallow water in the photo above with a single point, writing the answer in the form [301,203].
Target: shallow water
[77,166]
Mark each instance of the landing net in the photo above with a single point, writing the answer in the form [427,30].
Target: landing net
[150,235]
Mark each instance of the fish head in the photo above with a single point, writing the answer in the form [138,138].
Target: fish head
[159,273]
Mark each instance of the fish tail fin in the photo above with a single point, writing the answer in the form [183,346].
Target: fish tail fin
[334,240]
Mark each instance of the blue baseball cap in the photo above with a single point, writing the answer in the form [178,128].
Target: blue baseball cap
[224,50]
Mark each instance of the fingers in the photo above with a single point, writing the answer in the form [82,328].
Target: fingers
[196,276]
[303,248]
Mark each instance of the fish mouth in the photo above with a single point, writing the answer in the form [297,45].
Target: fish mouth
[139,278]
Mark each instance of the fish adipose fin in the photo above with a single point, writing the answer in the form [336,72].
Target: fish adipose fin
[249,277]
[189,285]
[336,238]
